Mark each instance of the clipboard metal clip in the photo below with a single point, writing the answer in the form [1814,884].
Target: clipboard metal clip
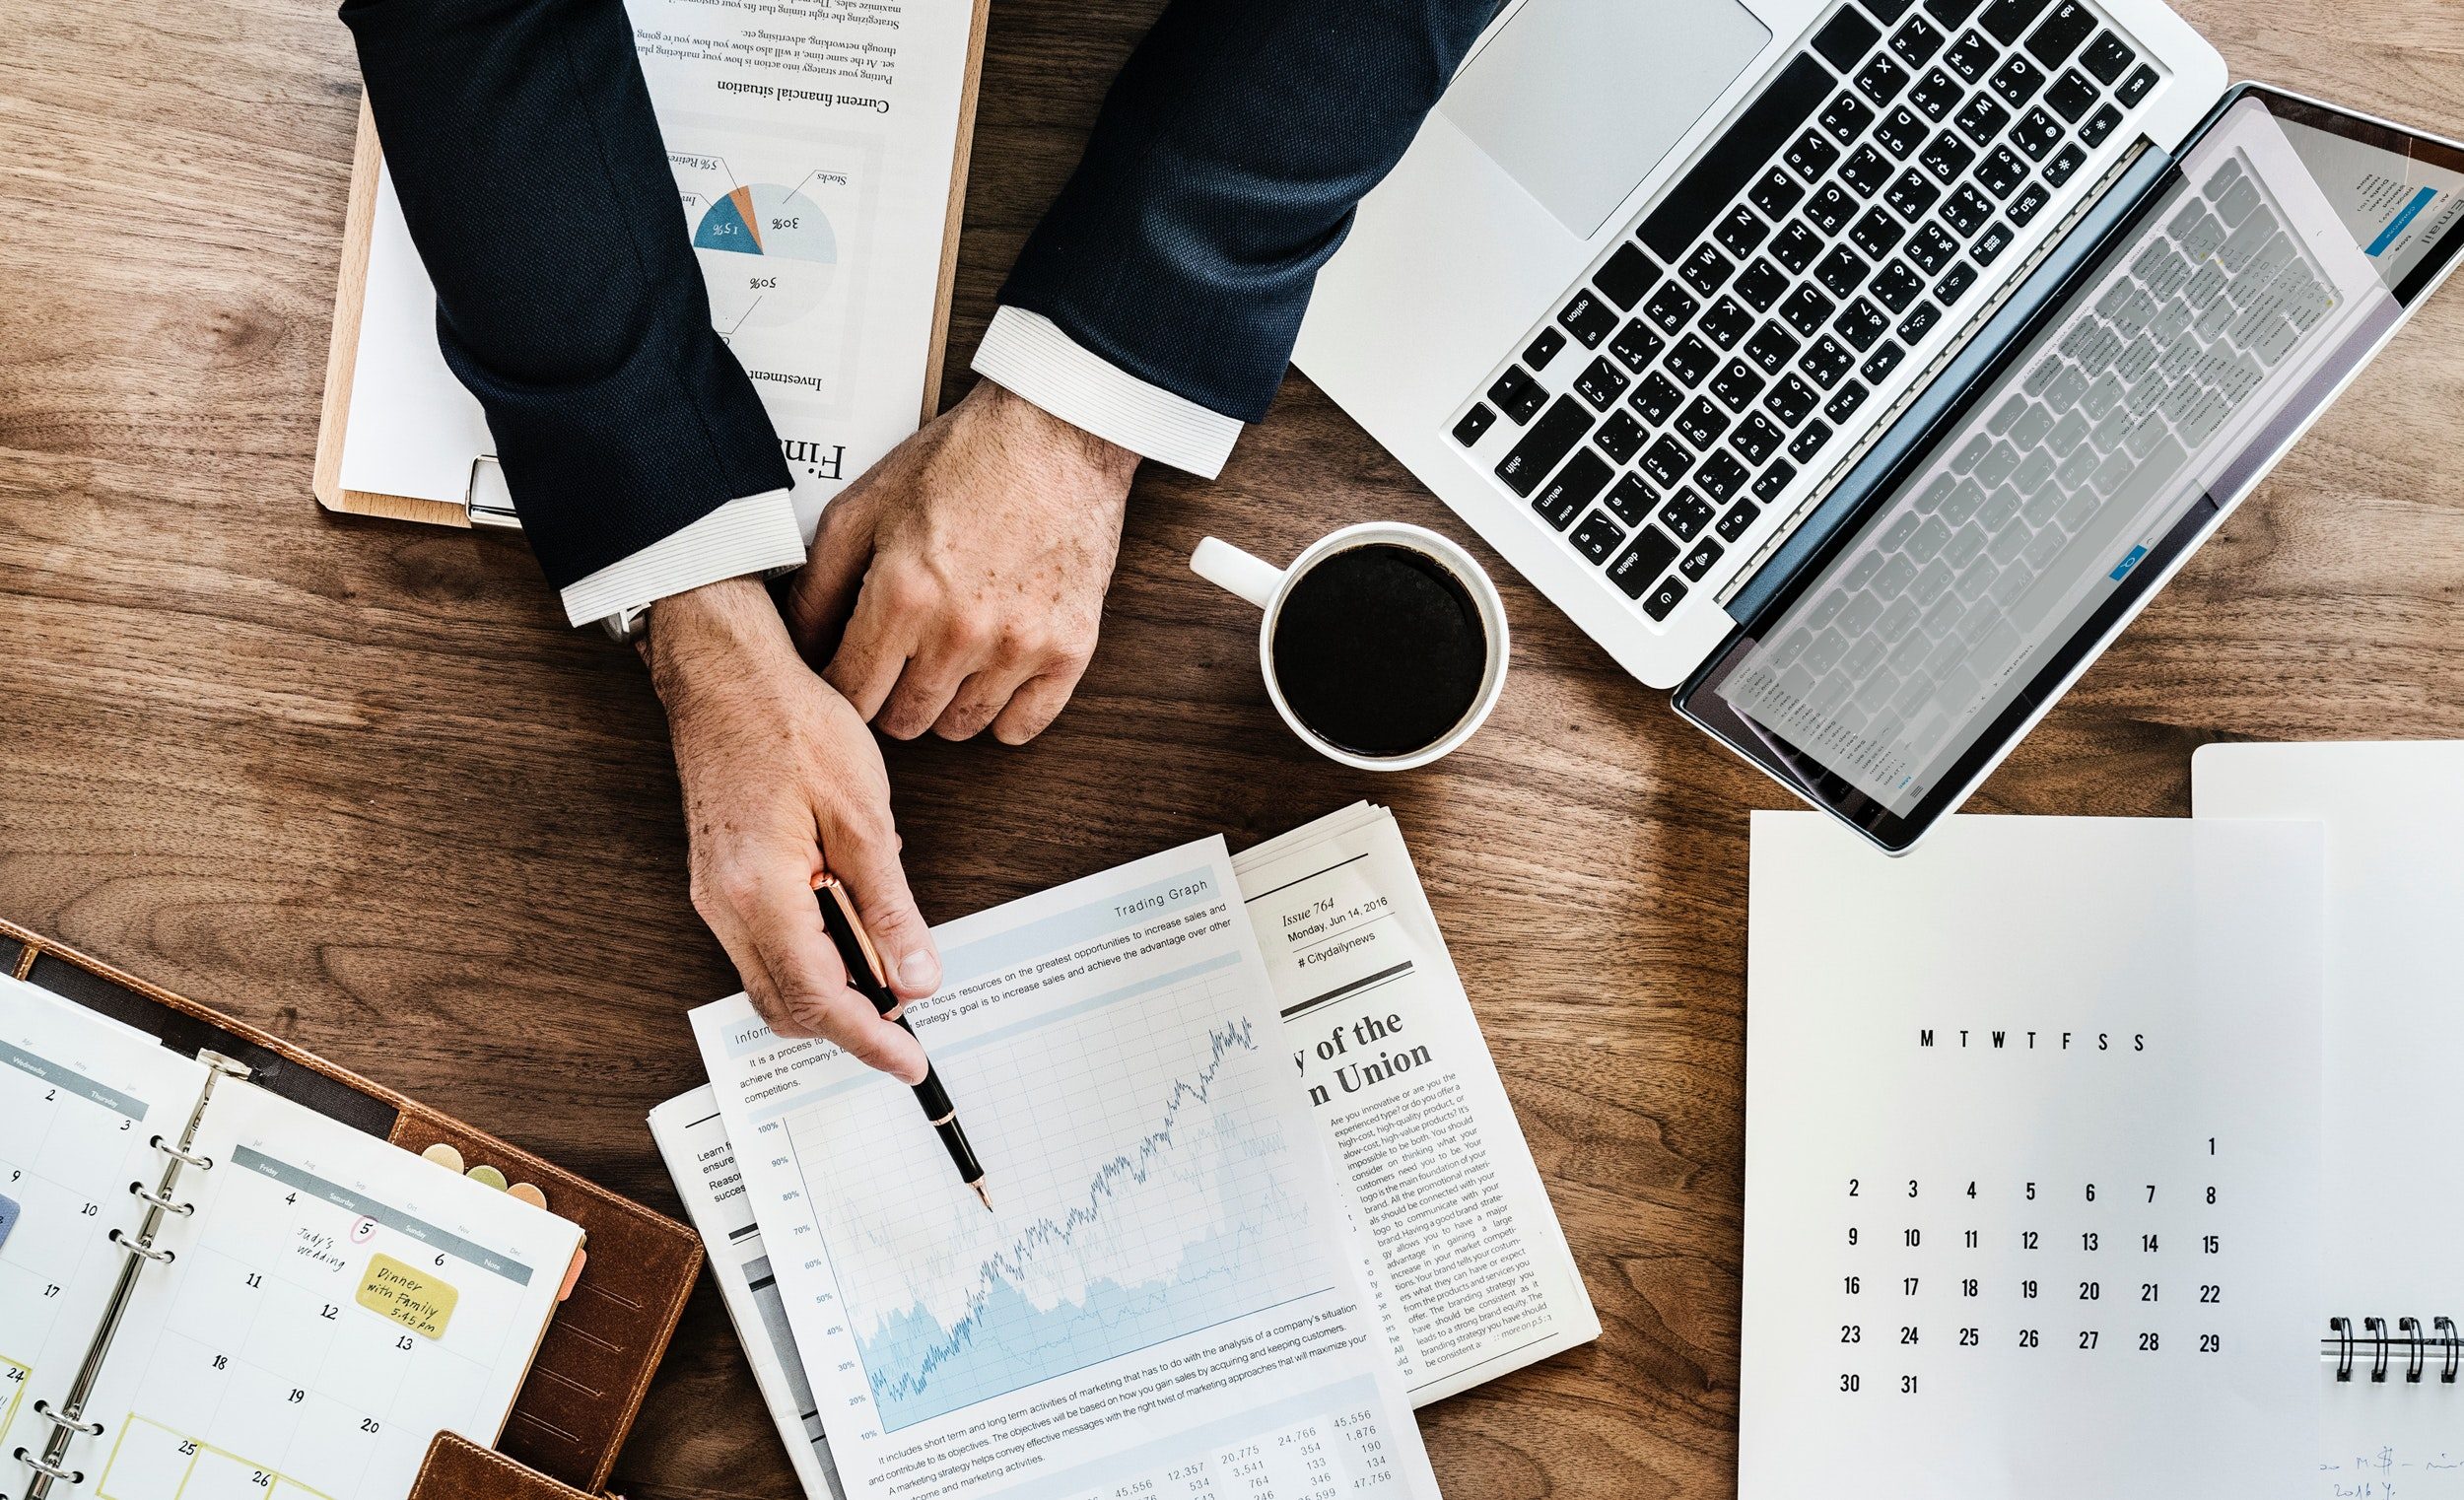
[486,500]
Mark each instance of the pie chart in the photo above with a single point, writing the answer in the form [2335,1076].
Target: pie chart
[765,219]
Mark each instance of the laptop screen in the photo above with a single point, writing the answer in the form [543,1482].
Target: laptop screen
[2175,370]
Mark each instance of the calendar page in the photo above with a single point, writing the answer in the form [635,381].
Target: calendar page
[335,1303]
[2033,1161]
[81,1099]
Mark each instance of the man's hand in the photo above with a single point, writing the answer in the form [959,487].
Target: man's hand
[966,570]
[780,774]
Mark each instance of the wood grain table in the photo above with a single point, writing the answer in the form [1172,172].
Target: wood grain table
[355,781]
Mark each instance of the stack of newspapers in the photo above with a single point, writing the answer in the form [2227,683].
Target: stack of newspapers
[1183,1286]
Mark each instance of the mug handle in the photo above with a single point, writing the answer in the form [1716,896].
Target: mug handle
[1229,568]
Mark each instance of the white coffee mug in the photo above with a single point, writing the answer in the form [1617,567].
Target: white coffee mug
[1266,585]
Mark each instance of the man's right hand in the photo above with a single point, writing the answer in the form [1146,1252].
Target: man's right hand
[782,779]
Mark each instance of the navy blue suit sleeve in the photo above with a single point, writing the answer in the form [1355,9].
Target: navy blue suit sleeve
[529,165]
[1222,171]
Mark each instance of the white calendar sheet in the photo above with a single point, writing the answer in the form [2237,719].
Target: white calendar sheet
[81,1097]
[335,1303]
[2033,1161]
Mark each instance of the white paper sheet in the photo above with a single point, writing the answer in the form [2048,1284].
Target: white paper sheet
[2031,1160]
[2394,1177]
[1161,1303]
[812,149]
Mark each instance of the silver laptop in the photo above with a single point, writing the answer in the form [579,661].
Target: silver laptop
[1860,368]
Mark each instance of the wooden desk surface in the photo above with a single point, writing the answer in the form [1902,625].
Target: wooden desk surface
[356,782]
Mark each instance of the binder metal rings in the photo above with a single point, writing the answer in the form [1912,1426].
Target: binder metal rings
[159,1256]
[202,1163]
[2446,1327]
[2408,1330]
[91,1429]
[2343,1329]
[41,1466]
[2376,1328]
[160,1201]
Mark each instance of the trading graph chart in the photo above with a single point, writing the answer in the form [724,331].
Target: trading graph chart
[1137,1172]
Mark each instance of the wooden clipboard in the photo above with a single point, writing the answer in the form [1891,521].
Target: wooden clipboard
[594,1364]
[359,227]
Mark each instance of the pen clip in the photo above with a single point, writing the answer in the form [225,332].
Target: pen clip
[831,892]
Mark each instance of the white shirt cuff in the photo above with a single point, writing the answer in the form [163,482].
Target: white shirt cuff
[1028,354]
[754,534]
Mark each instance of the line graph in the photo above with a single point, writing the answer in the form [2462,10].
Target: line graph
[1139,1167]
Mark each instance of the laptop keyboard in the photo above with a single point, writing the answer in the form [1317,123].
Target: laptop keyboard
[1822,240]
[2044,491]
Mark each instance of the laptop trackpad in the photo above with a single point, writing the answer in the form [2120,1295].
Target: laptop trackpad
[1578,100]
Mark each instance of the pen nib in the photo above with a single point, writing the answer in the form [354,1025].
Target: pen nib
[979,1193]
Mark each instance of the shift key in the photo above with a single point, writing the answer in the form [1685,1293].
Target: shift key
[1550,439]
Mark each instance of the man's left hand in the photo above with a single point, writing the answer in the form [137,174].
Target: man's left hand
[962,578]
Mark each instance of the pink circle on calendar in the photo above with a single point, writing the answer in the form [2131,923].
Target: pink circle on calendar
[363,1231]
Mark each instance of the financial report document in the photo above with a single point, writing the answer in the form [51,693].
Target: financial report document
[1160,1304]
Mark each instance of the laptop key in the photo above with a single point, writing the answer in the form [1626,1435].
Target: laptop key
[2107,57]
[1866,170]
[1771,347]
[1980,120]
[2099,125]
[1789,400]
[1620,438]
[1760,284]
[1601,384]
[2065,162]
[1544,446]
[1672,308]
[1990,245]
[1755,437]
[1631,500]
[1841,273]
[2036,133]
[1563,498]
[1741,516]
[1728,321]
[1699,561]
[2135,88]
[1826,362]
[1844,402]
[2016,80]
[1876,233]
[1685,514]
[1721,475]
[1881,79]
[1775,193]
[1517,395]
[1947,155]
[1667,461]
[1882,361]
[2001,171]
[1830,209]
[1950,12]
[1930,249]
[1809,442]
[1589,317]
[2071,96]
[1897,286]
[1473,424]
[1656,401]
[1862,324]
[1911,195]
[1543,348]
[1794,247]
[1970,57]
[1702,423]
[1741,230]
[1811,156]
[1735,157]
[1886,11]
[1664,598]
[2028,204]
[1920,321]
[1936,95]
[1637,344]
[1597,536]
[1642,562]
[1807,311]
[1706,270]
[1845,38]
[1766,485]
[1736,386]
[1690,361]
[1901,131]
[1916,43]
[2007,18]
[1968,210]
[1625,276]
[1846,117]
[2065,27]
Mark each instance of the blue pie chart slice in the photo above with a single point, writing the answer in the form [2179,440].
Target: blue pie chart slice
[765,219]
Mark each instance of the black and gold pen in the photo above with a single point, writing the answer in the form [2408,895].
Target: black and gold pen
[867,977]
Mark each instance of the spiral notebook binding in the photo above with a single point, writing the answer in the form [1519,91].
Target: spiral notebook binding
[51,1468]
[2342,1345]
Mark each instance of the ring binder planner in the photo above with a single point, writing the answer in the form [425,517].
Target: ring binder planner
[67,1422]
[2340,1346]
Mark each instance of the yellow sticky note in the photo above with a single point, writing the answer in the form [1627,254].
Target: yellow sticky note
[413,1298]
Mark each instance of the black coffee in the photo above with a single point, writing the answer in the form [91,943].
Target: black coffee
[1380,650]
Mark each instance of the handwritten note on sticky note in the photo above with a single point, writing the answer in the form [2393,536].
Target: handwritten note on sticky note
[411,1297]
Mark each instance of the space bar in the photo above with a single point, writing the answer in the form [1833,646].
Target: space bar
[1753,139]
